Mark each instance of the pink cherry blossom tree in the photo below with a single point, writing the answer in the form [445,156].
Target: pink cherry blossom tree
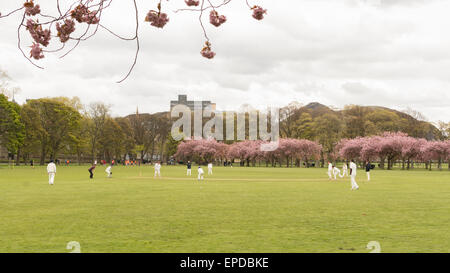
[75,21]
[436,150]
[201,151]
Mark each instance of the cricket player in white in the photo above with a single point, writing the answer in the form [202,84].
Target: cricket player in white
[157,169]
[336,172]
[200,173]
[51,170]
[344,171]
[108,171]
[353,168]
[330,170]
[210,168]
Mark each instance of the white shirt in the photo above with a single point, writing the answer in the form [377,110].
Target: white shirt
[353,168]
[51,167]
[344,167]
[210,166]
[200,171]
[108,170]
[157,166]
[330,167]
[336,170]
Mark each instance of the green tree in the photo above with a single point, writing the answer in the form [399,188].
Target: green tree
[52,123]
[12,129]
[97,115]
[304,127]
[328,131]
[355,119]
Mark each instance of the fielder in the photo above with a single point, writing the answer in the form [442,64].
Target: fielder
[108,171]
[189,168]
[336,172]
[91,170]
[200,173]
[344,171]
[368,167]
[210,168]
[157,169]
[51,170]
[330,170]
[353,168]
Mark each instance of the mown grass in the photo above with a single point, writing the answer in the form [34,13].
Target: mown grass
[236,210]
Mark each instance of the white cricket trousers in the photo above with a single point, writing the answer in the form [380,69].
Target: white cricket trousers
[368,176]
[336,174]
[157,173]
[200,177]
[188,172]
[353,179]
[330,175]
[209,170]
[51,178]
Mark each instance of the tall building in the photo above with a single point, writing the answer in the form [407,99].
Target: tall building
[182,99]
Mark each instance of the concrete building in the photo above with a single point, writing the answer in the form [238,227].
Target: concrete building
[182,99]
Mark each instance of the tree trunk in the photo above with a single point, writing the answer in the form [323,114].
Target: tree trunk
[18,157]
[42,159]
[382,161]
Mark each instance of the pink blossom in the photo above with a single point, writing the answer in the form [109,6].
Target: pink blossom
[207,52]
[215,19]
[258,12]
[83,15]
[65,30]
[36,51]
[192,2]
[157,19]
[31,9]
[39,35]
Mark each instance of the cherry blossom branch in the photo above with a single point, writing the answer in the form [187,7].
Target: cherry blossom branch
[136,37]
[89,13]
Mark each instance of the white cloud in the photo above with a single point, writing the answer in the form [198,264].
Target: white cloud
[389,53]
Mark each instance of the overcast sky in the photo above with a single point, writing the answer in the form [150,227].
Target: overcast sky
[393,53]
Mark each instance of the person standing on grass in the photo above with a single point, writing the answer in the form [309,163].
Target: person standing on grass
[210,166]
[368,167]
[330,170]
[51,170]
[353,168]
[108,171]
[189,168]
[200,173]
[344,171]
[157,169]
[91,170]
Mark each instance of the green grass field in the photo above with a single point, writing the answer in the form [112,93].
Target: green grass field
[235,210]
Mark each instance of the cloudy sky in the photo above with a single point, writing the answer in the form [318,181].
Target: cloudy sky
[393,53]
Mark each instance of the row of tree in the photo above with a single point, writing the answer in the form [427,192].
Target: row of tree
[64,128]
[55,128]
[389,148]
[328,126]
[385,148]
[250,151]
